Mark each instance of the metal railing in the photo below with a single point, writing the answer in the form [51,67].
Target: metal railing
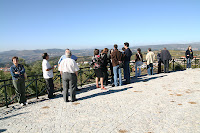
[86,75]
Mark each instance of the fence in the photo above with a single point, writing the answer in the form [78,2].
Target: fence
[86,75]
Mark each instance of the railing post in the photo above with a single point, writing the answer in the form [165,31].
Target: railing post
[36,87]
[60,82]
[173,64]
[184,63]
[81,77]
[6,95]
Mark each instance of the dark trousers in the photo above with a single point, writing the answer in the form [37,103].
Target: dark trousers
[50,87]
[20,90]
[105,76]
[159,66]
[69,81]
[127,71]
[111,73]
[166,66]
[150,69]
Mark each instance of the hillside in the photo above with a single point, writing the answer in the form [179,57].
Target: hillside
[33,55]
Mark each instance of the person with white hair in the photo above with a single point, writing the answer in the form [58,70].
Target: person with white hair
[69,71]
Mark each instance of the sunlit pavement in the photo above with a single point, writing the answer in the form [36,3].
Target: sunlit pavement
[159,103]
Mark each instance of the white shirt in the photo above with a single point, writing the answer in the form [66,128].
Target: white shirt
[150,57]
[69,65]
[45,66]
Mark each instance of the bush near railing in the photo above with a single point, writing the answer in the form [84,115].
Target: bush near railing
[35,84]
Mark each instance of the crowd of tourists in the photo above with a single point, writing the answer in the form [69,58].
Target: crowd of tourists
[114,58]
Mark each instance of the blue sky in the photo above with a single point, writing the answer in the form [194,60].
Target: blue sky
[75,24]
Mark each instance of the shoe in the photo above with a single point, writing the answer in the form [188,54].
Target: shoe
[52,96]
[25,103]
[73,100]
[113,85]
[103,88]
[98,87]
[21,104]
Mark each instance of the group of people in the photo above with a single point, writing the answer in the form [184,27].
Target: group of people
[117,60]
[69,69]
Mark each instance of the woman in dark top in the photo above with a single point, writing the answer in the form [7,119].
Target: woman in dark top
[138,62]
[104,65]
[111,67]
[159,61]
[97,62]
[189,56]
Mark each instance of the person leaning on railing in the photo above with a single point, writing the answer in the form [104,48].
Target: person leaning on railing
[17,71]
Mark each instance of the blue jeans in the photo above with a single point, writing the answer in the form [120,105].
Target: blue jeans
[127,71]
[188,63]
[116,71]
[150,69]
[136,70]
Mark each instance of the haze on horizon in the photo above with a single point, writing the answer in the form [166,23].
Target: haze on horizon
[46,24]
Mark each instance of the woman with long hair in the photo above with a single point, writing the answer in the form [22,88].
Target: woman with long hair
[189,56]
[138,62]
[96,60]
[104,65]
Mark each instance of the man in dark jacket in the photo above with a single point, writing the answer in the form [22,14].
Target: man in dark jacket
[165,57]
[116,57]
[127,58]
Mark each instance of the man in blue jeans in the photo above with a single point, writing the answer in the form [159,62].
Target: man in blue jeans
[116,57]
[127,59]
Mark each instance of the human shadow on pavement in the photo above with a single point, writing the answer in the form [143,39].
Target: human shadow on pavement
[146,79]
[12,116]
[103,93]
[2,130]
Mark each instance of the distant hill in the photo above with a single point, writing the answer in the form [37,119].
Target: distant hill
[33,55]
[195,47]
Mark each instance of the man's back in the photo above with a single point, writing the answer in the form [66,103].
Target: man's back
[69,65]
[116,56]
[165,55]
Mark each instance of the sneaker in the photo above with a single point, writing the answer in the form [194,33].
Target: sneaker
[25,103]
[21,104]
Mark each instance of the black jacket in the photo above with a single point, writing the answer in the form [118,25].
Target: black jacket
[128,54]
[104,60]
[165,55]
[190,53]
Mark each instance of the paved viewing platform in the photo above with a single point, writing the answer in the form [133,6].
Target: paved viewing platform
[167,103]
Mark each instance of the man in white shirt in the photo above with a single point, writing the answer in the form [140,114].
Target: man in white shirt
[69,71]
[48,75]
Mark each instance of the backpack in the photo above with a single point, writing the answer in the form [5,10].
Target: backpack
[97,62]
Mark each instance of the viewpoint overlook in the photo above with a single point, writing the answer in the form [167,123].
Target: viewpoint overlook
[158,103]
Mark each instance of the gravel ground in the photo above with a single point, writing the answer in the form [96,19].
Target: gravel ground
[167,103]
